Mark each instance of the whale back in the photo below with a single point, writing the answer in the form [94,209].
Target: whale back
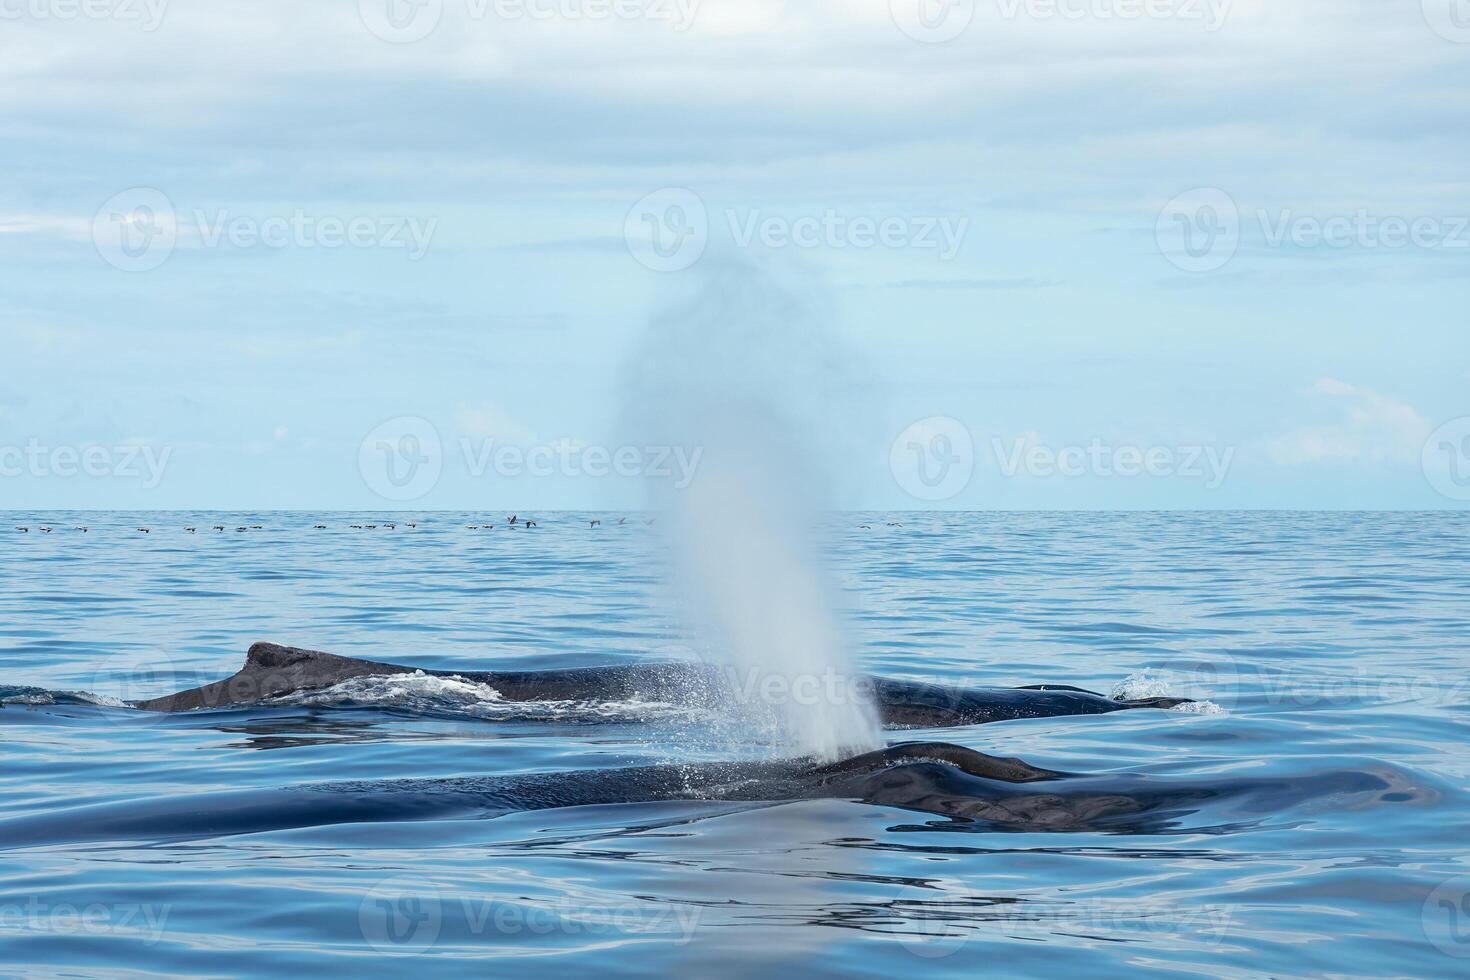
[272,670]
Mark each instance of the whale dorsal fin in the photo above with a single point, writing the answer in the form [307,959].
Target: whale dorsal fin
[272,670]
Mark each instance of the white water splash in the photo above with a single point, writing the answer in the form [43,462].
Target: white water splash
[102,700]
[38,696]
[30,698]
[455,695]
[1143,684]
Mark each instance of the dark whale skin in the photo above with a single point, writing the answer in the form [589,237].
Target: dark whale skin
[973,791]
[272,670]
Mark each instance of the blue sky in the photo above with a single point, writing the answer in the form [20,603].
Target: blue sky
[1049,242]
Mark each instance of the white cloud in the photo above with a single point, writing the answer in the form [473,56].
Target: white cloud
[70,227]
[825,54]
[1368,427]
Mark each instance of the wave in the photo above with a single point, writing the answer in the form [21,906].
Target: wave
[35,696]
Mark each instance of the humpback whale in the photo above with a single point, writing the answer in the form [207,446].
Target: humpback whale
[975,791]
[272,670]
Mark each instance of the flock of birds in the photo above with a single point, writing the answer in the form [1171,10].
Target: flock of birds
[514,522]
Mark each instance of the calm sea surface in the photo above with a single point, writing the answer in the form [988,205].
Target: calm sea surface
[1326,643]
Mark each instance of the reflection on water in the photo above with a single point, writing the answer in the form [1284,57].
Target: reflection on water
[1335,644]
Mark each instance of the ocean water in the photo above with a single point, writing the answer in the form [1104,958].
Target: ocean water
[1325,649]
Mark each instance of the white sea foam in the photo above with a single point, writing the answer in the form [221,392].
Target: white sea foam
[1144,684]
[102,700]
[1199,708]
[38,696]
[458,695]
[30,697]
